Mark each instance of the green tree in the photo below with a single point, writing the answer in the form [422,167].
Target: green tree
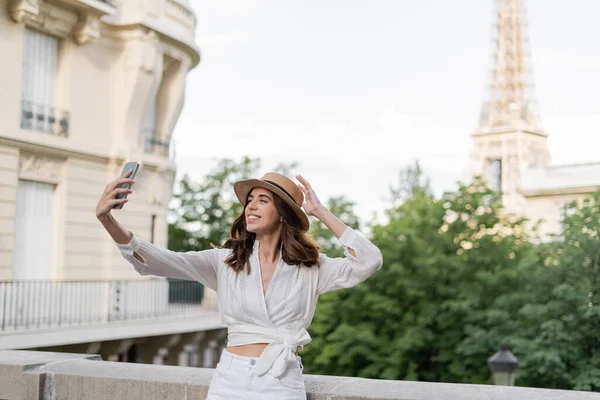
[412,180]
[460,277]
[202,213]
[350,328]
[343,208]
[201,216]
[317,352]
[432,313]
[558,338]
[487,261]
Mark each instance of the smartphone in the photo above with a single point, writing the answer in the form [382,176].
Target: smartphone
[132,165]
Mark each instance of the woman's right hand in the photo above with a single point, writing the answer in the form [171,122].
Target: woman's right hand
[108,199]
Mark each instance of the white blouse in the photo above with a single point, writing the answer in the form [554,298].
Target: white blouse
[281,316]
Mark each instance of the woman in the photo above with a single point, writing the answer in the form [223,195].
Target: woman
[268,277]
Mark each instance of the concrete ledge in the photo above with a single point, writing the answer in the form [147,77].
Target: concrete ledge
[33,338]
[20,372]
[40,375]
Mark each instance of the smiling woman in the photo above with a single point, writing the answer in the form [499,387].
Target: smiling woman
[268,276]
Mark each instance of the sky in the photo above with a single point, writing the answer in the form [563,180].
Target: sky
[355,90]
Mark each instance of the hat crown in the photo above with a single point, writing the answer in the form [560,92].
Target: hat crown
[286,184]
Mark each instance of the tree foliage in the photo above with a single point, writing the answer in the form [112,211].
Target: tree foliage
[412,179]
[430,313]
[343,208]
[561,306]
[460,277]
[202,212]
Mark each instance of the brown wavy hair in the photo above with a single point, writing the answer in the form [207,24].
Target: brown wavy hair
[297,246]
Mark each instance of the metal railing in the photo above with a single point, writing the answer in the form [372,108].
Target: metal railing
[28,305]
[43,118]
[155,145]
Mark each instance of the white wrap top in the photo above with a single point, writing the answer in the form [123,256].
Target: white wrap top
[282,315]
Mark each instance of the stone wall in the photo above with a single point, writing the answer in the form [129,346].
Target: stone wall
[43,375]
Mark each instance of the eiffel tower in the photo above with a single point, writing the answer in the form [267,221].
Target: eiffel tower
[509,138]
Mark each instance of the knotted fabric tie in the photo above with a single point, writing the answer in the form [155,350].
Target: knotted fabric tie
[279,352]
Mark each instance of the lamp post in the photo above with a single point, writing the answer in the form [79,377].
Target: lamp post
[504,366]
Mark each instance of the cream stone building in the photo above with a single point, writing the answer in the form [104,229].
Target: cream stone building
[510,148]
[86,85]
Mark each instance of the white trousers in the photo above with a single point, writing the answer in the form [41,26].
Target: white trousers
[235,379]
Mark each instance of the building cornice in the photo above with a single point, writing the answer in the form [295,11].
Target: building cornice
[79,19]
[53,146]
[529,193]
[510,129]
[182,42]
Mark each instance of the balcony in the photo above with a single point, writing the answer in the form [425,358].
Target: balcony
[44,119]
[97,7]
[44,313]
[181,15]
[173,19]
[37,375]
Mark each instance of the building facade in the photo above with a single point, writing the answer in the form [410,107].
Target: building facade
[510,147]
[87,85]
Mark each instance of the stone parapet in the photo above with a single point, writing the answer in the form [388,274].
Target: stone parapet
[42,375]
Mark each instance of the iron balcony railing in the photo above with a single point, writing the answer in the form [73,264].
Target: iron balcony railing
[155,145]
[45,119]
[26,305]
[109,2]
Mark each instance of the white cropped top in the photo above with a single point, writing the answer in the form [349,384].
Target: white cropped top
[280,317]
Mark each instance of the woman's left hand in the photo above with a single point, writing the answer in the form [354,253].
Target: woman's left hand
[311,202]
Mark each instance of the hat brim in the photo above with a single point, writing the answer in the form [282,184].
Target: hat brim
[243,188]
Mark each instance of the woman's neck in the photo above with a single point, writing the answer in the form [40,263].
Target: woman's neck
[268,251]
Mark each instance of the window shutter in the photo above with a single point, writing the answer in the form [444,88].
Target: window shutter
[33,231]
[40,52]
[149,126]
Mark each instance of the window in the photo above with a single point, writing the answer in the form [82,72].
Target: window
[38,85]
[149,127]
[495,174]
[161,109]
[33,231]
[153,140]
[566,209]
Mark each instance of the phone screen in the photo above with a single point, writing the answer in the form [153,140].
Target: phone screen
[132,165]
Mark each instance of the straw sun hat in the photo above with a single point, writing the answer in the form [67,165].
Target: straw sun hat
[281,186]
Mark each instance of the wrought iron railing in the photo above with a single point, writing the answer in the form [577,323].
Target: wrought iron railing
[155,145]
[43,118]
[28,305]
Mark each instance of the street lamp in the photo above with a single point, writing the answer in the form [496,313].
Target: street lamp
[504,366]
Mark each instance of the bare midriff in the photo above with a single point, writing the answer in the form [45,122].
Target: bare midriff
[251,350]
[248,350]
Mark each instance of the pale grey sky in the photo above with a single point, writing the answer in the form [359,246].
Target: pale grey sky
[354,90]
